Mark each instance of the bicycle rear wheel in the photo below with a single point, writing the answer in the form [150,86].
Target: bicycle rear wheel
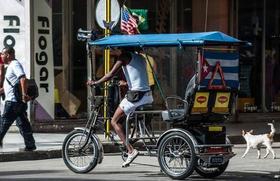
[76,159]
[176,155]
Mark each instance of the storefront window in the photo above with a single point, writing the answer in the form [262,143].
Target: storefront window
[250,29]
[57,32]
[272,57]
[79,59]
[57,17]
[251,17]
[70,60]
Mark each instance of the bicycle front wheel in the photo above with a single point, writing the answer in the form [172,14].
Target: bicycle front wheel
[76,158]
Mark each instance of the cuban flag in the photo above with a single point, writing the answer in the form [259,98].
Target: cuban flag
[129,24]
[229,63]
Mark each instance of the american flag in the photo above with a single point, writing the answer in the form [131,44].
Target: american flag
[128,22]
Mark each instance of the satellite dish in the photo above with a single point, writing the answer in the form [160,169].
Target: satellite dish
[100,14]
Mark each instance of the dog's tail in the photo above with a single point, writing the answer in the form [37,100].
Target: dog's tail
[271,134]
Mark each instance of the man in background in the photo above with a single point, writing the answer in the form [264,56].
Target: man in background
[15,107]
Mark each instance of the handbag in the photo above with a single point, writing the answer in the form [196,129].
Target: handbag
[134,96]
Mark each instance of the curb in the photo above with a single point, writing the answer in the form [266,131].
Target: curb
[34,155]
[45,154]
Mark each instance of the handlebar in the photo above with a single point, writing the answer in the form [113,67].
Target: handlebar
[80,30]
[112,82]
[84,35]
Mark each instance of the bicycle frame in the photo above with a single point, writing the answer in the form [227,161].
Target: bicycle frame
[93,121]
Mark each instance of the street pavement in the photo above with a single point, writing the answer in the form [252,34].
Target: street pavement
[49,144]
[143,168]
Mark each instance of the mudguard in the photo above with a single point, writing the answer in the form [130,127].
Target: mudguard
[187,133]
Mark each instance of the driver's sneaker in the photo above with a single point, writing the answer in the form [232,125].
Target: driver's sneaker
[130,158]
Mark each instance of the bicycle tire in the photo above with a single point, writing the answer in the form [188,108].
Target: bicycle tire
[174,148]
[70,154]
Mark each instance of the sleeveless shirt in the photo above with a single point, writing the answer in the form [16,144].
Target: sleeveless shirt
[136,73]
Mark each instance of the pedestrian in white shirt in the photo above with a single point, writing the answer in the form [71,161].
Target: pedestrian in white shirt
[15,107]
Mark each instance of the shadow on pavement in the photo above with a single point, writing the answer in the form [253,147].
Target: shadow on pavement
[27,172]
[227,176]
[146,175]
[56,179]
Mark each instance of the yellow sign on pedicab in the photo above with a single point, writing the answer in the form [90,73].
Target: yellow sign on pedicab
[221,102]
[200,102]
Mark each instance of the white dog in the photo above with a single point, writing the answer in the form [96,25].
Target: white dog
[255,141]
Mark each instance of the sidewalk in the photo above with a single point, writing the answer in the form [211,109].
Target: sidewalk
[49,145]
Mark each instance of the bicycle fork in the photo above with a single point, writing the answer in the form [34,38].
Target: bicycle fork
[90,124]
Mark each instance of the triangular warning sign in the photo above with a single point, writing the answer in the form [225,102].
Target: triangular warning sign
[218,68]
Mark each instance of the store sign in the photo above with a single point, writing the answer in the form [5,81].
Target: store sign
[43,55]
[12,27]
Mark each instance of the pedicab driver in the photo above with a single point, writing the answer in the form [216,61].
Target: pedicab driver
[134,68]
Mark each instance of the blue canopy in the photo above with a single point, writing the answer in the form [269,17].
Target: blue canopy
[179,39]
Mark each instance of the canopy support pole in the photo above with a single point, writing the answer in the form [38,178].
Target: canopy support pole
[155,77]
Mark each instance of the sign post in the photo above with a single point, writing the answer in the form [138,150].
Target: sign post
[107,65]
[107,16]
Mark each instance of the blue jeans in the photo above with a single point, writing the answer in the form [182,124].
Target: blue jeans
[17,111]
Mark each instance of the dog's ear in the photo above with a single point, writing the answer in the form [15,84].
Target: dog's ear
[251,131]
[243,132]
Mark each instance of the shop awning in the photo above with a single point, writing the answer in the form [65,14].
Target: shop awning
[178,39]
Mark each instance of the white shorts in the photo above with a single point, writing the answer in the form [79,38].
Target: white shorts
[129,107]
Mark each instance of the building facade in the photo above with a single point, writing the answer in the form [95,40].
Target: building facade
[59,62]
